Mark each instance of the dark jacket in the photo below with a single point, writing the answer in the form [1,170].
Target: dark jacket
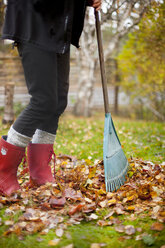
[51,24]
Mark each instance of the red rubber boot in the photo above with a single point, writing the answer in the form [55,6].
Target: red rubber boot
[38,158]
[10,157]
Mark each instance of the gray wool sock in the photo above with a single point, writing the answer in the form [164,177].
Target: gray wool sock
[43,137]
[17,139]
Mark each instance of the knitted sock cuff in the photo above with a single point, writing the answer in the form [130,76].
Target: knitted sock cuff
[17,139]
[43,137]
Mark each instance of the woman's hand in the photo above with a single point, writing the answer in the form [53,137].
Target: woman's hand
[95,4]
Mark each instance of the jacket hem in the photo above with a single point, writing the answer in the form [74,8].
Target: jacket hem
[20,39]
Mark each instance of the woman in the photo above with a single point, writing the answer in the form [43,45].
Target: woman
[43,31]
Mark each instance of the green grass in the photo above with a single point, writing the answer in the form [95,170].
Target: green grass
[83,138]
[83,235]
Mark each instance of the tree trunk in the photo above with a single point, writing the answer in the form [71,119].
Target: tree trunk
[85,89]
[86,61]
[8,108]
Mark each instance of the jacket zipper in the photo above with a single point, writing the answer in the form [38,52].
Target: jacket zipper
[65,29]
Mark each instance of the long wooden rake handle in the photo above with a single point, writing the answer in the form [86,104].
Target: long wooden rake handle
[102,64]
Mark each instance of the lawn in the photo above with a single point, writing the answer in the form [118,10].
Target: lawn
[82,138]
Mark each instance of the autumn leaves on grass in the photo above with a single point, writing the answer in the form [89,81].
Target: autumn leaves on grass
[79,195]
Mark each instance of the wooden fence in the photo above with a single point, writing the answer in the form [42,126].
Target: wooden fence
[12,84]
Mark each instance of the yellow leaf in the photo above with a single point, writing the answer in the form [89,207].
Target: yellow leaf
[131,198]
[110,195]
[111,202]
[153,194]
[64,162]
[162,213]
[131,208]
[92,171]
[53,242]
[101,192]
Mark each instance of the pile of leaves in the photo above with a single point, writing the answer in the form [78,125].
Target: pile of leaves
[78,194]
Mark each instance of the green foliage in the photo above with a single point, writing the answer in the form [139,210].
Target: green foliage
[142,60]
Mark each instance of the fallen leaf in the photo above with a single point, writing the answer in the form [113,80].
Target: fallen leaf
[59,232]
[103,204]
[75,209]
[162,213]
[95,245]
[53,242]
[120,228]
[119,210]
[110,195]
[70,193]
[68,246]
[9,222]
[157,226]
[57,202]
[130,229]
[93,217]
[104,223]
[88,200]
[88,208]
[144,192]
[130,208]
[112,202]
[139,229]
[109,214]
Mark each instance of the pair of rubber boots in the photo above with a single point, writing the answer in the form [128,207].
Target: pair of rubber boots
[38,158]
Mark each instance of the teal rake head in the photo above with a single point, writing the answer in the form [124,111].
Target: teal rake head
[115,162]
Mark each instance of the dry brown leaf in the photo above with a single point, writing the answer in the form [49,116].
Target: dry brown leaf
[162,213]
[88,208]
[75,209]
[144,192]
[9,222]
[70,193]
[92,171]
[93,217]
[103,204]
[157,226]
[110,195]
[104,223]
[109,214]
[57,202]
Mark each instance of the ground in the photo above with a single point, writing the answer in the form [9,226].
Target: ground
[76,211]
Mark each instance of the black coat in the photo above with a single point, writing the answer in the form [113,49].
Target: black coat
[51,24]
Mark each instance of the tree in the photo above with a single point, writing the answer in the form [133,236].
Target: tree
[2,6]
[142,61]
[119,17]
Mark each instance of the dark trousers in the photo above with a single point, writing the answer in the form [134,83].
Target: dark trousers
[47,78]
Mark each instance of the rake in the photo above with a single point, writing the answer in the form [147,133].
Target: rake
[115,161]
